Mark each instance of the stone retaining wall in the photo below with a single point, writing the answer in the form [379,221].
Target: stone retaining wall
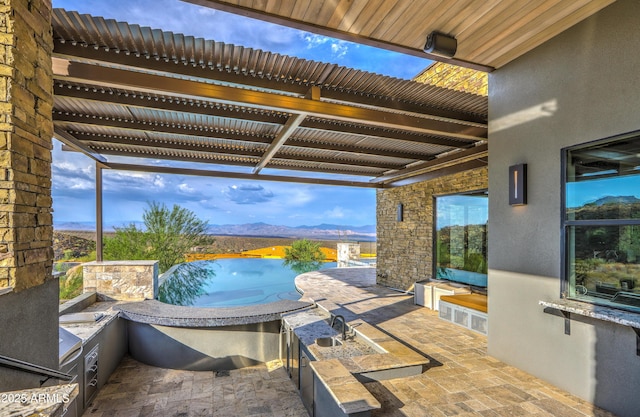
[405,248]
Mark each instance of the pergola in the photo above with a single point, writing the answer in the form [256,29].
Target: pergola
[125,90]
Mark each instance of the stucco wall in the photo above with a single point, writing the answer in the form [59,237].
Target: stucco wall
[405,249]
[581,86]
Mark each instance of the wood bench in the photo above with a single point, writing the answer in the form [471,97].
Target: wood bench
[467,310]
[472,301]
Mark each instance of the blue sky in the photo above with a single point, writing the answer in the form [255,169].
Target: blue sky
[220,200]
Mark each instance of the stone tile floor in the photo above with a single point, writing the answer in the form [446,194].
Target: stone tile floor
[138,390]
[462,380]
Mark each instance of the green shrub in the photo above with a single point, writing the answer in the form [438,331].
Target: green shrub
[304,251]
[71,283]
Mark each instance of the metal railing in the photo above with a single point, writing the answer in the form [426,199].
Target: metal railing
[34,369]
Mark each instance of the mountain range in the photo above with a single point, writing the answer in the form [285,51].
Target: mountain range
[321,231]
[623,199]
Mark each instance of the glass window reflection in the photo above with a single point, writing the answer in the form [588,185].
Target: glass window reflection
[602,222]
[461,238]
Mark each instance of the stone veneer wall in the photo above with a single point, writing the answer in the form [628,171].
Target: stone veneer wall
[122,280]
[405,249]
[26,129]
[28,292]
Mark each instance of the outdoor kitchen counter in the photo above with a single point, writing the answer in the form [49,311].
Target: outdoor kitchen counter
[157,313]
[87,330]
[42,402]
[308,325]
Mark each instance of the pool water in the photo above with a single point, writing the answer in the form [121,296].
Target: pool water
[233,282]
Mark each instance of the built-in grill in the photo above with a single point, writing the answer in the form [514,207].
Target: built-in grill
[83,365]
[70,361]
[70,346]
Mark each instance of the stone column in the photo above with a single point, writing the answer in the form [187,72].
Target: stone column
[28,293]
[26,129]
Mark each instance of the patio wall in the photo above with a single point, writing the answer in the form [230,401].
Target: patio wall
[581,86]
[405,248]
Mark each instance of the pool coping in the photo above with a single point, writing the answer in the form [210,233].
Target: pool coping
[158,313]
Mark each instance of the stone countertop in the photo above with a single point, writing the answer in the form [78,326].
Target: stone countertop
[311,324]
[336,373]
[335,366]
[88,330]
[49,401]
[622,317]
[158,313]
[350,395]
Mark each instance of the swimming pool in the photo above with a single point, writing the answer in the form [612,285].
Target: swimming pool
[231,282]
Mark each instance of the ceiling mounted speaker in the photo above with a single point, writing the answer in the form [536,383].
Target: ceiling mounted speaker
[441,45]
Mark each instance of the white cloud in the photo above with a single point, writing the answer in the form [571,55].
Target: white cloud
[248,194]
[186,188]
[335,213]
[158,181]
[313,41]
[339,49]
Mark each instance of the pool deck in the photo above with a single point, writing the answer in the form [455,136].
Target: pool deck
[462,379]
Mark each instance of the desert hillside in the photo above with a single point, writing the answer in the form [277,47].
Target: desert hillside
[71,245]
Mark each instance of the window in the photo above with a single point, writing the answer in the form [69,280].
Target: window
[461,238]
[601,222]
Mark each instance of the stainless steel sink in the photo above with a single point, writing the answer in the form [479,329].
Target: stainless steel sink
[328,341]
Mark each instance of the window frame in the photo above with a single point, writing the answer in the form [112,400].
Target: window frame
[434,233]
[566,223]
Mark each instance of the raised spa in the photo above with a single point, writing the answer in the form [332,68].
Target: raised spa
[216,315]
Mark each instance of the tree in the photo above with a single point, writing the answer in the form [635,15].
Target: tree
[168,236]
[304,251]
[303,256]
[129,243]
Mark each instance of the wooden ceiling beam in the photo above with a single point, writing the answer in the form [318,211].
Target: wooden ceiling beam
[110,57]
[480,152]
[106,140]
[68,121]
[156,127]
[240,175]
[175,104]
[285,133]
[74,143]
[165,103]
[112,77]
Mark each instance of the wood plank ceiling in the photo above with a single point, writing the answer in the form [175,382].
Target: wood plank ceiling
[125,90]
[490,33]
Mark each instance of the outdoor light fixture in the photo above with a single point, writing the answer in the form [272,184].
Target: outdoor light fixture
[518,185]
[441,45]
[400,212]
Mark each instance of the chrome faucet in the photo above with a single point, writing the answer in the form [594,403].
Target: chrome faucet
[344,325]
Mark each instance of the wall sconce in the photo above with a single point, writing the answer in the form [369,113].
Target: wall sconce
[400,213]
[518,184]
